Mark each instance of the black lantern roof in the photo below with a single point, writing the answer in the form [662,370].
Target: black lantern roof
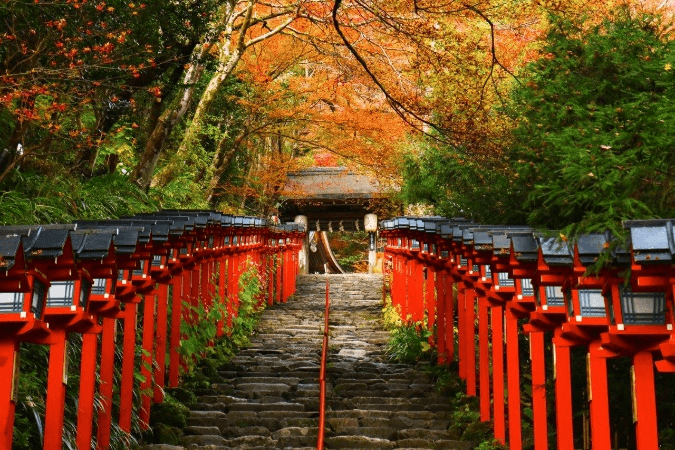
[590,246]
[525,247]
[652,241]
[501,244]
[482,240]
[125,239]
[9,251]
[46,243]
[555,252]
[92,244]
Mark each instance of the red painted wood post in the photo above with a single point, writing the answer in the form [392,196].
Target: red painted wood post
[513,380]
[195,284]
[287,272]
[449,299]
[222,293]
[405,305]
[411,290]
[440,319]
[106,384]
[128,351]
[271,273]
[85,403]
[497,322]
[295,267]
[280,268]
[56,390]
[395,276]
[430,301]
[461,327]
[146,358]
[598,397]
[9,349]
[289,278]
[235,282]
[398,288]
[160,342]
[418,291]
[539,408]
[231,289]
[204,283]
[644,398]
[174,339]
[284,275]
[484,358]
[563,393]
[470,352]
[280,276]
[213,281]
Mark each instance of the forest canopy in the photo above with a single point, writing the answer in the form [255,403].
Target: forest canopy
[112,107]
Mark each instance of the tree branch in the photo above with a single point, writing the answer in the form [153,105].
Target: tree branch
[399,108]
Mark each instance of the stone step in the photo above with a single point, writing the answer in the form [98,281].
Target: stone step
[270,397]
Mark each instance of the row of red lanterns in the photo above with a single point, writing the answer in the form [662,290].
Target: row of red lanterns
[87,277]
[509,275]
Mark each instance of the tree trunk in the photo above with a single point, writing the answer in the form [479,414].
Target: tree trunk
[221,160]
[145,168]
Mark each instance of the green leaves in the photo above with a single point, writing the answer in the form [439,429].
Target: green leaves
[591,146]
[200,331]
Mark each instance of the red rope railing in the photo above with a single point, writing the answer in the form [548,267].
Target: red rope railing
[322,375]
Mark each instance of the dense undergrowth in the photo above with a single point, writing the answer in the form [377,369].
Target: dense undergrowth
[32,198]
[204,354]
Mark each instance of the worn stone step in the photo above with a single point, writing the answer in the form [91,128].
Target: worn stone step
[270,399]
[358,442]
[276,406]
[374,432]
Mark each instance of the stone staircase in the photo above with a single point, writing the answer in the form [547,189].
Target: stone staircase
[271,397]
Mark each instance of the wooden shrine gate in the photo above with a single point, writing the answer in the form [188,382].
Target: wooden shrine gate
[503,277]
[88,277]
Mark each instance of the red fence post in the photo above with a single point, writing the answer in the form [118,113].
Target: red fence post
[271,274]
[147,358]
[205,283]
[461,327]
[56,390]
[644,398]
[470,340]
[449,299]
[128,352]
[9,350]
[440,318]
[160,342]
[539,408]
[513,380]
[222,292]
[598,397]
[418,291]
[106,385]
[431,300]
[85,403]
[174,339]
[484,358]
[563,393]
[497,322]
[279,275]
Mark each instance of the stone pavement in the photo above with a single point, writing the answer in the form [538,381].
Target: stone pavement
[271,397]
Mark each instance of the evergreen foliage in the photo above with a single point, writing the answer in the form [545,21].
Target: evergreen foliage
[593,144]
[458,185]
